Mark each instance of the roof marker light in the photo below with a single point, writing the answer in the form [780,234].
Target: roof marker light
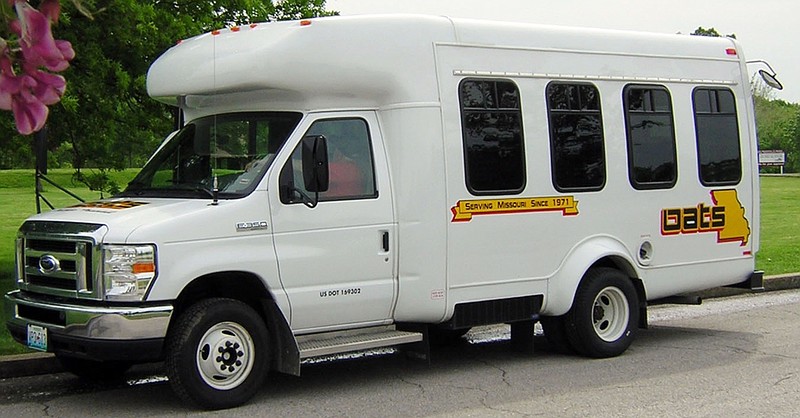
[305,23]
[215,32]
[235,28]
[253,25]
[731,51]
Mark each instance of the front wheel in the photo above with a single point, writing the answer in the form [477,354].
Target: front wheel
[218,353]
[605,314]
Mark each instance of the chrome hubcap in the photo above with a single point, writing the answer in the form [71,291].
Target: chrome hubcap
[225,355]
[610,314]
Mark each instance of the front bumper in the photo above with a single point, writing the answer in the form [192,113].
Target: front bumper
[120,333]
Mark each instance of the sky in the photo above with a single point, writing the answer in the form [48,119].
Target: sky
[765,28]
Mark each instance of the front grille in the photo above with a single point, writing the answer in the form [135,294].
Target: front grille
[52,246]
[54,282]
[69,266]
[61,265]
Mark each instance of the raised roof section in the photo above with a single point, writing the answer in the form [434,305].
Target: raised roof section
[369,61]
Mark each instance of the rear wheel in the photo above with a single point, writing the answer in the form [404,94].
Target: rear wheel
[604,316]
[218,353]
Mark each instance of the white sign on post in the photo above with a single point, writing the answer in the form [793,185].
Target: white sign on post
[772,158]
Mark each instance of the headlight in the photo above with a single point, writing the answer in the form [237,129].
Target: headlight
[128,271]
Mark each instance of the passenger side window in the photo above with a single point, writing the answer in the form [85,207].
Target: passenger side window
[350,162]
[652,156]
[717,129]
[576,137]
[492,132]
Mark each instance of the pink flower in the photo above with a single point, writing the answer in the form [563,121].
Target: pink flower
[16,94]
[48,87]
[27,95]
[9,83]
[51,9]
[9,86]
[30,113]
[36,40]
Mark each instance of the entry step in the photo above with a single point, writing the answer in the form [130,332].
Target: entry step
[323,345]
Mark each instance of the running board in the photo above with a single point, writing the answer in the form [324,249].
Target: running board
[323,345]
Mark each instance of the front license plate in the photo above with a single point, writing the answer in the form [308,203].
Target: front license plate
[37,337]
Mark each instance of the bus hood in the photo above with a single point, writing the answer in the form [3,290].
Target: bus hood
[155,220]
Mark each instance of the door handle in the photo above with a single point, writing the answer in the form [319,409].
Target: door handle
[385,241]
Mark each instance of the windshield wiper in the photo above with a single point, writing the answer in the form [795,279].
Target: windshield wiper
[213,192]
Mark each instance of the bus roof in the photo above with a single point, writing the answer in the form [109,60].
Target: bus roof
[371,60]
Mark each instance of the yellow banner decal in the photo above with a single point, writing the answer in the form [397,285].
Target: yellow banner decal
[464,210]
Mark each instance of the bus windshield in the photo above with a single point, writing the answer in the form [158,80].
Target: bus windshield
[220,156]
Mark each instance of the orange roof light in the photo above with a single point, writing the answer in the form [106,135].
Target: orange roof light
[235,28]
[731,51]
[305,23]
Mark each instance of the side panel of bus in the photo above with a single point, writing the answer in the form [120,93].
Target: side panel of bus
[554,162]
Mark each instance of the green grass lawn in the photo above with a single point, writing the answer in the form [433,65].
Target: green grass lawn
[17,202]
[780,223]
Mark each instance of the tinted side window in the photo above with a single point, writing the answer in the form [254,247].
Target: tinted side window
[576,137]
[652,157]
[492,133]
[717,129]
[351,168]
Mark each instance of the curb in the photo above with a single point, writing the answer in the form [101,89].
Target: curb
[32,364]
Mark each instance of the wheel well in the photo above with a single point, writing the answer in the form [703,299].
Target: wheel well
[237,285]
[248,288]
[622,265]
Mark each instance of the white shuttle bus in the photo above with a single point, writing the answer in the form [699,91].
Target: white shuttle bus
[357,182]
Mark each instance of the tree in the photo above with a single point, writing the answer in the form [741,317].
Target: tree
[105,119]
[300,9]
[779,128]
[701,31]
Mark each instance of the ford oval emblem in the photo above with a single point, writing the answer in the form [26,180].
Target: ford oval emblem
[49,264]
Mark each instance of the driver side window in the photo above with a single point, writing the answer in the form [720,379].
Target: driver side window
[350,163]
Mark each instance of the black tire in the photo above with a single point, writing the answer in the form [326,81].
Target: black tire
[94,370]
[605,314]
[555,332]
[217,353]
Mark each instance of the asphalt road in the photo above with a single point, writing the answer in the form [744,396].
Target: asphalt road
[737,356]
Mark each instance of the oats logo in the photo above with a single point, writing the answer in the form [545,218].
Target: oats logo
[725,217]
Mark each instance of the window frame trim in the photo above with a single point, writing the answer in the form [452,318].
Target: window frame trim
[465,151]
[550,132]
[735,115]
[286,200]
[659,185]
